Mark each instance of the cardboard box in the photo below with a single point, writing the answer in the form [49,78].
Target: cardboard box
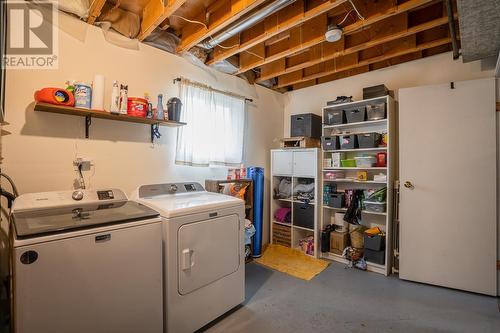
[338,242]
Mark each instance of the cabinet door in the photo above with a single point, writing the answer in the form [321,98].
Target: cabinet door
[304,163]
[282,162]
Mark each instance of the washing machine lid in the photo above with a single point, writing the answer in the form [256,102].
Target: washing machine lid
[179,199]
[33,223]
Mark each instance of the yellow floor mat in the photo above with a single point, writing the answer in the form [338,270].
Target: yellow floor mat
[292,262]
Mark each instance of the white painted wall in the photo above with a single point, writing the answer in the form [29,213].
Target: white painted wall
[433,70]
[39,153]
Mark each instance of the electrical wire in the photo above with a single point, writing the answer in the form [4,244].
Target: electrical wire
[12,184]
[361,17]
[346,16]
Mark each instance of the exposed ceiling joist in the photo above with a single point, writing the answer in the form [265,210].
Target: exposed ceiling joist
[95,10]
[221,14]
[316,33]
[402,47]
[155,12]
[274,25]
[393,30]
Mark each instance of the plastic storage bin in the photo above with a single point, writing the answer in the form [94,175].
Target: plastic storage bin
[365,161]
[376,243]
[334,116]
[308,125]
[355,115]
[376,257]
[374,206]
[303,215]
[337,200]
[348,141]
[330,142]
[375,111]
[369,140]
[350,163]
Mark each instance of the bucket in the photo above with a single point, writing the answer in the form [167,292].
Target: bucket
[174,106]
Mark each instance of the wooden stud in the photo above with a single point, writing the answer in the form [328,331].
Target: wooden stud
[223,15]
[155,13]
[375,17]
[286,19]
[95,10]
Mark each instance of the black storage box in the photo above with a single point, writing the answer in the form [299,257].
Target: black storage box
[376,257]
[330,142]
[303,215]
[308,125]
[375,111]
[337,200]
[368,140]
[348,141]
[334,116]
[376,243]
[355,115]
[375,91]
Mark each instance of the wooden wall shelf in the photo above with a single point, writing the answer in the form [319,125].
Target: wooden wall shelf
[89,114]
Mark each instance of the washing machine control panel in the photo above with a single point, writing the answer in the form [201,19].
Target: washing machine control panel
[105,195]
[147,191]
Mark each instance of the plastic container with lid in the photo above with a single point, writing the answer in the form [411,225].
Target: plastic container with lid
[137,106]
[375,206]
[365,161]
[349,163]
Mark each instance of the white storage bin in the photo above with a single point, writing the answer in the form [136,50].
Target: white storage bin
[365,161]
[375,206]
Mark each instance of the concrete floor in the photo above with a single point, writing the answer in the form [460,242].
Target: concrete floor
[349,300]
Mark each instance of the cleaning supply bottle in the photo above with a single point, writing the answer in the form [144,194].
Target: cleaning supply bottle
[70,86]
[160,114]
[149,111]
[115,99]
[123,99]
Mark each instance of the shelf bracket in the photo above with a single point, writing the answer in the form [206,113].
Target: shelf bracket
[155,132]
[88,122]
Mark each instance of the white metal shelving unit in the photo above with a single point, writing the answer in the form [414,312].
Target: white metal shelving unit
[369,219]
[298,165]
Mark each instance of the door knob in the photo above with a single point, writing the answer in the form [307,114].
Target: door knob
[409,185]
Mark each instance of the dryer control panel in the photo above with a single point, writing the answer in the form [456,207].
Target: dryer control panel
[169,188]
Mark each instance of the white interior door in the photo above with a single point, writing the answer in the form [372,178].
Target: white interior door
[448,207]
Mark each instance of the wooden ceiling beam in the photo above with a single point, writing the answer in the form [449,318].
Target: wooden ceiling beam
[155,13]
[326,52]
[399,49]
[222,14]
[319,37]
[274,25]
[372,67]
[95,10]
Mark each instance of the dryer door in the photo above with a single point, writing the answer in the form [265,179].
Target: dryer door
[207,251]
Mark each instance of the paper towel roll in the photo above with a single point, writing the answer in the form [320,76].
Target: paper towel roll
[98,92]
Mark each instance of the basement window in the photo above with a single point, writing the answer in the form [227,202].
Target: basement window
[214,133]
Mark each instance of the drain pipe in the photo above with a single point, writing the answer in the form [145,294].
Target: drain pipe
[245,23]
[453,32]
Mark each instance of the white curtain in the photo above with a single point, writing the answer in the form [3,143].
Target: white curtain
[215,127]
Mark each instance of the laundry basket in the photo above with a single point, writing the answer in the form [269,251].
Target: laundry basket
[357,236]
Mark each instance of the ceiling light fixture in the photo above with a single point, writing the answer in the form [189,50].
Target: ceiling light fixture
[333,33]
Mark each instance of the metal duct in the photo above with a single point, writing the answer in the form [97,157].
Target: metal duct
[245,23]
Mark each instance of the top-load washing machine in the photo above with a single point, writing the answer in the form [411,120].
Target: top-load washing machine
[85,261]
[203,236]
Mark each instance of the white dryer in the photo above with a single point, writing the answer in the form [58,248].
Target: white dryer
[203,236]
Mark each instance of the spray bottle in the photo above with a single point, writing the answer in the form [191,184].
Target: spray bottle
[115,99]
[123,99]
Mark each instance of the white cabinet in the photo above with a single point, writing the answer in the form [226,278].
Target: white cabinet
[304,164]
[293,173]
[282,162]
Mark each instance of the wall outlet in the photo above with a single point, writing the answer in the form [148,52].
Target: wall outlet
[83,163]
